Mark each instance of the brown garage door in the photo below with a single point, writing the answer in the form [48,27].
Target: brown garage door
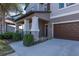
[67,31]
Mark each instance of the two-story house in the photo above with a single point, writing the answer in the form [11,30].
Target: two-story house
[65,20]
[57,20]
[36,20]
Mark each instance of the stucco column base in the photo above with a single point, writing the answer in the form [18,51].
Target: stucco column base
[17,27]
[26,32]
[3,28]
[50,30]
[26,27]
[35,35]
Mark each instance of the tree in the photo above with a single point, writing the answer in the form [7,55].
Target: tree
[5,8]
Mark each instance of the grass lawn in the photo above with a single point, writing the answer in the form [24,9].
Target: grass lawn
[5,48]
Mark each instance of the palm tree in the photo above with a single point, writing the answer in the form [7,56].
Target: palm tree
[5,8]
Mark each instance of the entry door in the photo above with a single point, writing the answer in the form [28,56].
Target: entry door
[46,30]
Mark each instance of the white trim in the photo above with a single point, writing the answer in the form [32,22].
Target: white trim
[52,30]
[66,22]
[65,5]
[65,14]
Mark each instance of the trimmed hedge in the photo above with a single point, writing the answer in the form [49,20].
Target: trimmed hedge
[8,35]
[1,36]
[28,40]
[16,36]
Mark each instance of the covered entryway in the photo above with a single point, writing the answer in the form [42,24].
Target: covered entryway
[36,23]
[67,30]
[43,26]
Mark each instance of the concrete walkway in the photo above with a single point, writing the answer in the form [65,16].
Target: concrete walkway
[54,47]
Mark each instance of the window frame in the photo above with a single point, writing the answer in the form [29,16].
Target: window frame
[67,6]
[60,7]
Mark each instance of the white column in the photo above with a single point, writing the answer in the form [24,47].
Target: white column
[52,30]
[26,26]
[38,6]
[35,28]
[3,26]
[6,27]
[17,27]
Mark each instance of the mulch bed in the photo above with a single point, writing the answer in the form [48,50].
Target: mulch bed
[38,42]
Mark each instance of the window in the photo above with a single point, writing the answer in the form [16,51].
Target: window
[68,4]
[61,5]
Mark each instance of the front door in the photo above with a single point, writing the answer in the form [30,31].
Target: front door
[46,30]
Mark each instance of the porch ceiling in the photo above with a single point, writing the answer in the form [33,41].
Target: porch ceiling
[8,22]
[43,16]
[40,14]
[30,20]
[20,22]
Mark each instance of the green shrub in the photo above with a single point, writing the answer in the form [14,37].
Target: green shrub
[28,40]
[16,36]
[11,35]
[8,35]
[1,36]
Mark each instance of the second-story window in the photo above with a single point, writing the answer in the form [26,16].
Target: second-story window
[61,5]
[48,6]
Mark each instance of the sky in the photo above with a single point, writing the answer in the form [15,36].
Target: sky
[22,5]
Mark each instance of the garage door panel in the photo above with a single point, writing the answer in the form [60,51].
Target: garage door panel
[67,30]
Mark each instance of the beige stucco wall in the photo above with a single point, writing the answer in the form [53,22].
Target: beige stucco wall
[44,16]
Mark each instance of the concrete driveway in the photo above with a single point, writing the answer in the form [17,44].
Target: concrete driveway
[53,47]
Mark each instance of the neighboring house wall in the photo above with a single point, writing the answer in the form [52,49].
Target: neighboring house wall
[59,12]
[10,29]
